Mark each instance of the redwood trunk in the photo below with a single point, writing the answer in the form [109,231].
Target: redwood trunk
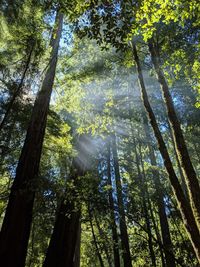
[62,247]
[17,221]
[185,208]
[182,151]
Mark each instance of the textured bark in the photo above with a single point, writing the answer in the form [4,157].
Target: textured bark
[17,91]
[185,208]
[112,213]
[183,184]
[17,221]
[122,218]
[181,148]
[62,246]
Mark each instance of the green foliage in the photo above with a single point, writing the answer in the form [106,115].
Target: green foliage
[96,93]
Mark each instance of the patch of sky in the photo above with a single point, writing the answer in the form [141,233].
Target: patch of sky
[67,39]
[84,21]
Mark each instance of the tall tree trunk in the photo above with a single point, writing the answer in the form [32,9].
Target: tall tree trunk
[157,233]
[112,213]
[166,237]
[184,186]
[95,240]
[185,208]
[77,256]
[17,90]
[17,221]
[105,248]
[182,151]
[122,218]
[62,246]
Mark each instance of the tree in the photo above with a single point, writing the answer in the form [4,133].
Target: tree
[62,246]
[112,209]
[122,218]
[129,205]
[182,151]
[21,199]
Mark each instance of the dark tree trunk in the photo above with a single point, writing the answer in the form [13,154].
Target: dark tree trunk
[182,151]
[122,218]
[185,208]
[62,247]
[17,222]
[77,256]
[112,213]
[17,91]
[63,242]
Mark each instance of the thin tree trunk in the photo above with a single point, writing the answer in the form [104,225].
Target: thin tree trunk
[185,209]
[102,234]
[122,218]
[158,237]
[148,207]
[17,91]
[182,151]
[166,237]
[143,196]
[112,213]
[17,221]
[95,240]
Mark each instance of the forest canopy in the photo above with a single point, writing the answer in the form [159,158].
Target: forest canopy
[99,133]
